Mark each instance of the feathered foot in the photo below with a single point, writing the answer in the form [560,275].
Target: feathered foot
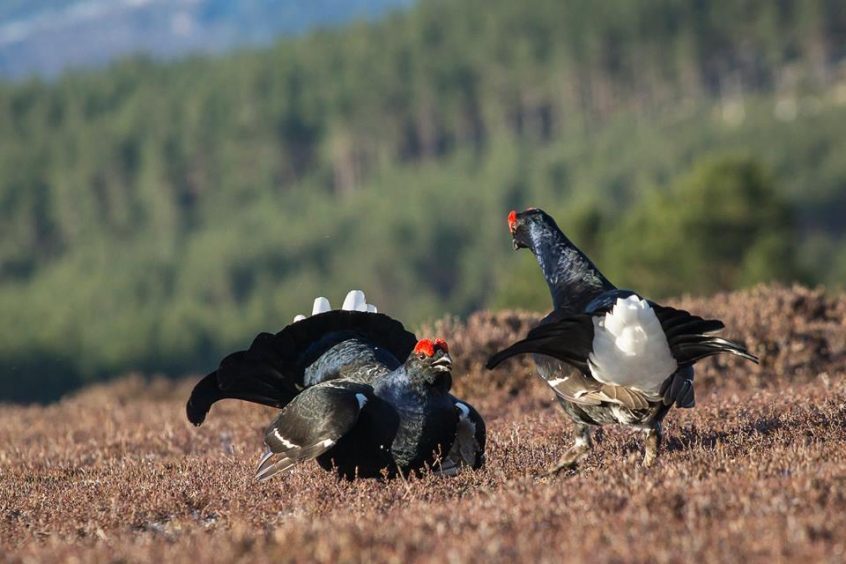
[654,437]
[571,458]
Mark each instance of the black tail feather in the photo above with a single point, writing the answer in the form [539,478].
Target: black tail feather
[301,343]
[208,391]
[692,350]
[695,326]
[271,371]
[568,340]
[526,346]
[690,336]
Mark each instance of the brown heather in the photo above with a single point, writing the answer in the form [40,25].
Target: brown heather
[756,472]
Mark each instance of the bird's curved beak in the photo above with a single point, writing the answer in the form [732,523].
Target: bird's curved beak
[444,363]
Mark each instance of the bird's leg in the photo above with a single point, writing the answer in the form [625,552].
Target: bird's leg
[653,444]
[575,453]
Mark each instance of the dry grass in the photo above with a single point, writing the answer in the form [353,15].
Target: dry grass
[756,472]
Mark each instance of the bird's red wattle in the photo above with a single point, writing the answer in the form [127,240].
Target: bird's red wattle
[425,346]
[512,220]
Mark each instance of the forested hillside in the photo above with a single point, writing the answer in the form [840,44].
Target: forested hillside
[154,216]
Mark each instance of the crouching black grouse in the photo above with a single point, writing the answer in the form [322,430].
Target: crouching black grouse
[358,393]
[633,358]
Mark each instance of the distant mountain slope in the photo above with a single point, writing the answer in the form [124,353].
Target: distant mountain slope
[45,37]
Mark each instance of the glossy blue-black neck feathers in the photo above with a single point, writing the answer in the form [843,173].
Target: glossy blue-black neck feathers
[572,278]
[413,381]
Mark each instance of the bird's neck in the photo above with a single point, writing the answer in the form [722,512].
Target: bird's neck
[407,384]
[572,278]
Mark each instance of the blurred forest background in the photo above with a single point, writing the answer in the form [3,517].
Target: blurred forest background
[155,215]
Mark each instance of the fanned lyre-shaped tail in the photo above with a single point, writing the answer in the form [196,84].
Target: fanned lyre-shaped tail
[691,337]
[271,371]
[570,339]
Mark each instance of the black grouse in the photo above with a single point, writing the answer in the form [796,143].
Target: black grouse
[358,393]
[610,356]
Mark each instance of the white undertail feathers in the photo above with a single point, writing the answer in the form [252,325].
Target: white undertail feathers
[355,301]
[630,348]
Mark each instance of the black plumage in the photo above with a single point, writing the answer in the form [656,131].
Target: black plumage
[571,338]
[278,367]
[358,393]
[606,386]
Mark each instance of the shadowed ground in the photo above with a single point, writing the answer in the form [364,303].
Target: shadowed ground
[757,471]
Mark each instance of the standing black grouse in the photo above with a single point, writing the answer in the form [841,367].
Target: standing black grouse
[358,393]
[633,358]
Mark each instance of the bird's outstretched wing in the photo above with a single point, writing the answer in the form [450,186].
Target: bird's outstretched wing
[312,424]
